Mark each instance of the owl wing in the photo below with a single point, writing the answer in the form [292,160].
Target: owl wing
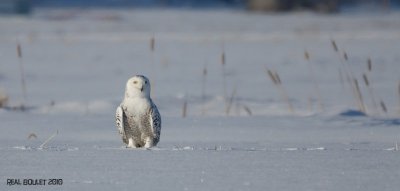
[155,122]
[120,119]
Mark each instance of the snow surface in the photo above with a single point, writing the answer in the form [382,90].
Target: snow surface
[77,62]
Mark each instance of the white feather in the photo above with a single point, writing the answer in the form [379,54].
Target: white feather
[137,118]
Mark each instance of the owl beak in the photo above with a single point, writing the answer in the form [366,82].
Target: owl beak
[141,89]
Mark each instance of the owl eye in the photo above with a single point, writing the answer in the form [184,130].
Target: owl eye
[145,82]
[135,82]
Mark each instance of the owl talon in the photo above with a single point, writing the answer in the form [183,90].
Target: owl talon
[149,143]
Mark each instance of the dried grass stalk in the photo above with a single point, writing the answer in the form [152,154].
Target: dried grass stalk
[48,140]
[383,106]
[153,66]
[278,79]
[230,102]
[152,44]
[341,78]
[306,55]
[315,82]
[184,109]
[369,64]
[366,81]
[19,51]
[203,88]
[272,77]
[223,58]
[3,99]
[223,63]
[22,72]
[248,110]
[345,56]
[370,91]
[349,76]
[359,96]
[335,47]
[278,83]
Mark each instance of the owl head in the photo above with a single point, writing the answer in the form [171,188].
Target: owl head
[138,86]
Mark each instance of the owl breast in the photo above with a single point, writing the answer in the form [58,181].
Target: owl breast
[138,121]
[137,106]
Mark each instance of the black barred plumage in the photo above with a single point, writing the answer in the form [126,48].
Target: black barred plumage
[156,122]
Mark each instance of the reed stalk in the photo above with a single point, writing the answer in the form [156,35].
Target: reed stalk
[184,109]
[276,80]
[223,64]
[22,73]
[230,102]
[349,76]
[383,106]
[314,79]
[359,96]
[203,88]
[370,91]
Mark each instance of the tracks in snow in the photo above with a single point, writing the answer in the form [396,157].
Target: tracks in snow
[62,148]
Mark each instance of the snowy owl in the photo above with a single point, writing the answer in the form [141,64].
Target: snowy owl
[137,118]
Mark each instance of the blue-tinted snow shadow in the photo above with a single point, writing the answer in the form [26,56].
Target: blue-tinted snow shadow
[355,116]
